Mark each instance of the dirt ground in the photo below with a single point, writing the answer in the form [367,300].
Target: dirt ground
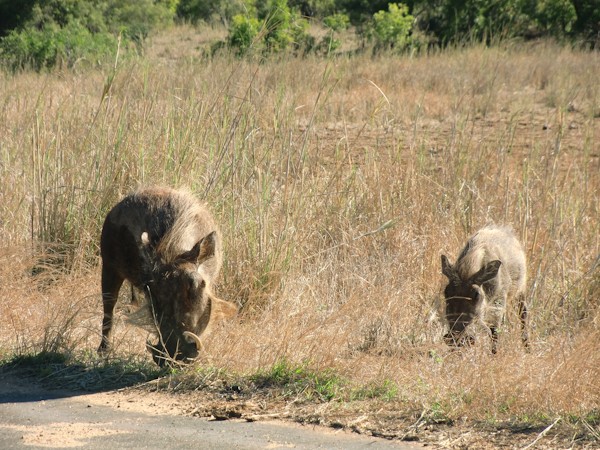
[231,403]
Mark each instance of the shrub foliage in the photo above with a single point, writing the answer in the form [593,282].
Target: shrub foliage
[43,33]
[391,28]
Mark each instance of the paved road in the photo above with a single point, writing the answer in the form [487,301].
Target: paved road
[31,417]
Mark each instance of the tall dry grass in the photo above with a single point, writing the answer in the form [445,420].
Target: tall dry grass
[338,184]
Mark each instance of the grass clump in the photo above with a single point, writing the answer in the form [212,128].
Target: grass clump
[299,380]
[385,390]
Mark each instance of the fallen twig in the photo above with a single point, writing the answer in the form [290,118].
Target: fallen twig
[542,434]
[255,417]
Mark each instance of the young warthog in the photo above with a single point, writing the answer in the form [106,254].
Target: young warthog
[490,268]
[166,244]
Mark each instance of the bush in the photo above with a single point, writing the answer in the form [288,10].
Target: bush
[315,8]
[137,18]
[40,49]
[283,26]
[391,29]
[282,29]
[460,20]
[361,11]
[243,33]
[13,14]
[210,10]
[587,24]
[335,24]
[48,32]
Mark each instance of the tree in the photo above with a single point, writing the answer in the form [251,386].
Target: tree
[552,17]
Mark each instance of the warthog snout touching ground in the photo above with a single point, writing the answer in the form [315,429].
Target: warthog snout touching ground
[166,244]
[490,269]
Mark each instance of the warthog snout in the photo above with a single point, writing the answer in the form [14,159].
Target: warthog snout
[182,350]
[459,339]
[458,321]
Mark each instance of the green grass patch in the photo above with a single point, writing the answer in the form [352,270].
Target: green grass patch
[300,380]
[385,390]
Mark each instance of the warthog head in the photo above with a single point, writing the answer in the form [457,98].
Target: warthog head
[465,299]
[182,303]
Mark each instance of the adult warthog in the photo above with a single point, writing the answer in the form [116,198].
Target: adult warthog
[166,244]
[489,269]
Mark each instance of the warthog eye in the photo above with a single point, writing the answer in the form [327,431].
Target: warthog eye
[197,285]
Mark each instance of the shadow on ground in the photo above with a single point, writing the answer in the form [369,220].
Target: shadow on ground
[61,378]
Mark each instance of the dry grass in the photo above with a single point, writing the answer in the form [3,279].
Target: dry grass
[338,184]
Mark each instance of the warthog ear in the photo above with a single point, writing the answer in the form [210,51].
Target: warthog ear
[204,249]
[207,246]
[486,273]
[447,269]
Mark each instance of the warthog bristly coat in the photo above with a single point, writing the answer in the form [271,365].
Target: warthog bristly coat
[490,269]
[166,244]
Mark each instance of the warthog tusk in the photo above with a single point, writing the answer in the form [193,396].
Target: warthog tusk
[192,338]
[457,297]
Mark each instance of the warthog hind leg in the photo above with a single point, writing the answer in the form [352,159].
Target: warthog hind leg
[111,283]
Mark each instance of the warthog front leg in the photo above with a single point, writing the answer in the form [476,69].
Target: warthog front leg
[111,283]
[523,318]
[494,335]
